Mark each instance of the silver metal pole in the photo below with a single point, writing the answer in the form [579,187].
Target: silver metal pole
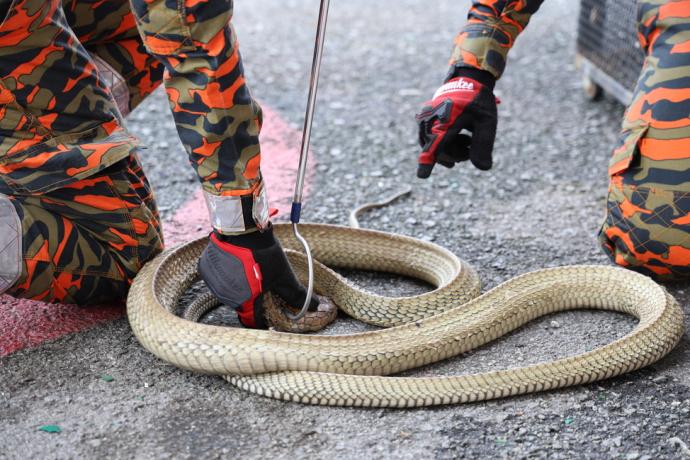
[304,154]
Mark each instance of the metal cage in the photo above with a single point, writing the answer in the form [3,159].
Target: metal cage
[608,51]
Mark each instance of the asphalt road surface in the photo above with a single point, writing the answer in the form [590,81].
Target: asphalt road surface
[541,206]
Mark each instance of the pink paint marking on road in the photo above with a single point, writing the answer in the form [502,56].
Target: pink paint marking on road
[25,323]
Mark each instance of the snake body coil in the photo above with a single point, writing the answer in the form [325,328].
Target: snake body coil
[351,370]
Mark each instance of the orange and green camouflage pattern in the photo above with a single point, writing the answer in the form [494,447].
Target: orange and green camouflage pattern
[491,29]
[647,225]
[84,243]
[66,160]
[58,121]
[217,119]
[107,29]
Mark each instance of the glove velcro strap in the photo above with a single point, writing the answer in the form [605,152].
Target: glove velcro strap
[236,214]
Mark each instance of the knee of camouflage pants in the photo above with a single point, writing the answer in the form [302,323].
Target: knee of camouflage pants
[647,228]
[647,225]
[83,243]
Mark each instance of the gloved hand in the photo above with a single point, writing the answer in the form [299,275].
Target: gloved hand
[240,269]
[465,102]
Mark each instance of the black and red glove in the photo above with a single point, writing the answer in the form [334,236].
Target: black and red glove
[240,269]
[464,103]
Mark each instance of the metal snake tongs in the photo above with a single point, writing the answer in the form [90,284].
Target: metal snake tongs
[306,135]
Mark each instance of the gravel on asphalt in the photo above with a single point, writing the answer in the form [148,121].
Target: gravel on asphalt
[541,206]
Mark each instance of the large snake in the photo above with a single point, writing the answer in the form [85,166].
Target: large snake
[352,370]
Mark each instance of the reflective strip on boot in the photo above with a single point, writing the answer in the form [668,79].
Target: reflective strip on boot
[10,244]
[115,83]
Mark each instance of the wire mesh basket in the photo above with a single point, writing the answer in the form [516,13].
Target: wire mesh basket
[608,51]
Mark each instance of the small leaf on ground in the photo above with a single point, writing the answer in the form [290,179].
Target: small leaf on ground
[569,420]
[50,429]
[107,378]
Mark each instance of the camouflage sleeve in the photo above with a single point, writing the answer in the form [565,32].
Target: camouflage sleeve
[216,116]
[491,30]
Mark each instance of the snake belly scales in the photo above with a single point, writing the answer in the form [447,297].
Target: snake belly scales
[353,370]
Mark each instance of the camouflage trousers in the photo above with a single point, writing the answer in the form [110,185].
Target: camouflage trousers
[84,242]
[647,226]
[69,70]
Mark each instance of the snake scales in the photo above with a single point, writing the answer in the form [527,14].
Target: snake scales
[351,370]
